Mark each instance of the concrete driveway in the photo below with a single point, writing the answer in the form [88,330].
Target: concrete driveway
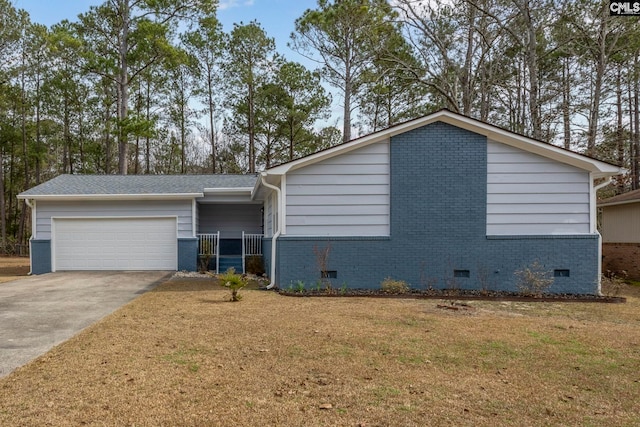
[39,312]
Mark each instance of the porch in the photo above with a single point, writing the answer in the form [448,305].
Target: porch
[220,255]
[229,236]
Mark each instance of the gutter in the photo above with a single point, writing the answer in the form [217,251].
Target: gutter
[141,196]
[275,236]
[603,184]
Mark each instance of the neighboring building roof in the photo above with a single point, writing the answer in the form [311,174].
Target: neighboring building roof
[494,133]
[621,199]
[138,186]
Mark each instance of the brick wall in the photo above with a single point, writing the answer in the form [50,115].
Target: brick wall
[188,254]
[40,256]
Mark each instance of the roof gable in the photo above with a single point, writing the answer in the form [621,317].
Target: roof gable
[597,167]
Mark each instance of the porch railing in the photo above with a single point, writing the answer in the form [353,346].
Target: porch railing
[209,244]
[251,246]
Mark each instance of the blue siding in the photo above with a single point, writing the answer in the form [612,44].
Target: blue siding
[438,224]
[40,256]
[188,254]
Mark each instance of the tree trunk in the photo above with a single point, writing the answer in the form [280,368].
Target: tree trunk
[107,138]
[468,62]
[25,155]
[123,92]
[211,118]
[38,132]
[66,150]
[183,134]
[346,124]
[532,67]
[601,59]
[252,131]
[136,162]
[3,208]
[619,128]
[147,138]
[566,93]
[636,122]
[633,173]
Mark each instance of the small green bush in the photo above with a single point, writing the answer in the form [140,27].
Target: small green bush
[392,286]
[234,282]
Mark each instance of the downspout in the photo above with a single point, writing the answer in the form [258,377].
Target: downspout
[603,184]
[32,206]
[275,236]
[595,229]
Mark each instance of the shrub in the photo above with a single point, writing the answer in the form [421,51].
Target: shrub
[234,282]
[612,284]
[254,265]
[391,286]
[534,280]
[207,254]
[322,261]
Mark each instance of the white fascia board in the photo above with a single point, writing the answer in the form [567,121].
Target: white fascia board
[226,190]
[67,197]
[255,189]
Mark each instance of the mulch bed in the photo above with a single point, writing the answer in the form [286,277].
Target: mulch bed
[459,294]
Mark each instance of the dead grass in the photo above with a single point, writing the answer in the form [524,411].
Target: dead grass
[12,268]
[183,355]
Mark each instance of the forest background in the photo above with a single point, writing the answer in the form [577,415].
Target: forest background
[158,87]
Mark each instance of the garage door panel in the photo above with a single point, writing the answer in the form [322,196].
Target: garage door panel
[115,244]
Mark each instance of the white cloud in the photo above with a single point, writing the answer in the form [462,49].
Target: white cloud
[228,4]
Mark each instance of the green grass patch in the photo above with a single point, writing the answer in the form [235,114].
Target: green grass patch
[184,358]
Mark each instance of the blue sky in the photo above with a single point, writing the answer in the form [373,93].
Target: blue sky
[276,16]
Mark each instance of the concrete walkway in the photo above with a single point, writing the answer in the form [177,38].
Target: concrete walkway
[39,312]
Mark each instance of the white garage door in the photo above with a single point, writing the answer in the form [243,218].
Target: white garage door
[114,244]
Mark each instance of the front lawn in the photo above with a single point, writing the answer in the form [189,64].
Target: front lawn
[183,355]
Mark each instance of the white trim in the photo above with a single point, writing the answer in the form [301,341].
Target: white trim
[283,205]
[116,217]
[238,190]
[593,224]
[53,230]
[194,206]
[599,168]
[53,245]
[155,196]
[32,205]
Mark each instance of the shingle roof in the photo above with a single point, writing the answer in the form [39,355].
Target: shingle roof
[630,197]
[137,184]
